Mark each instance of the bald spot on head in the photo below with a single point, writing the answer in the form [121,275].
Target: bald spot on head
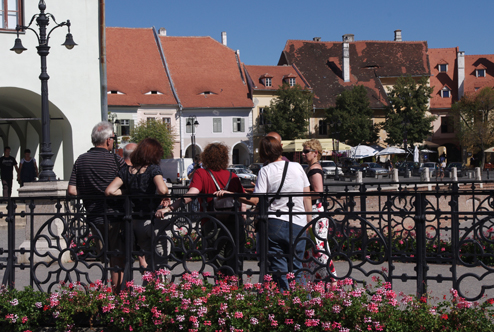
[275,135]
[127,151]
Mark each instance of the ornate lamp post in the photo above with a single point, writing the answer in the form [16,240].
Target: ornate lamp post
[42,21]
[335,129]
[192,122]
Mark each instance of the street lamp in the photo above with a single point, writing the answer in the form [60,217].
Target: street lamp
[335,129]
[42,20]
[405,144]
[192,122]
[113,119]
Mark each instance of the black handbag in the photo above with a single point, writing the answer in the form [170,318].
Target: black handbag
[222,203]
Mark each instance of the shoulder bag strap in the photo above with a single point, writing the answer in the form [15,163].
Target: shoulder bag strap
[281,183]
[214,180]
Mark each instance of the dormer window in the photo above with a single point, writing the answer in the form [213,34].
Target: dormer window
[207,93]
[154,92]
[267,81]
[480,72]
[443,68]
[446,92]
[291,81]
[115,92]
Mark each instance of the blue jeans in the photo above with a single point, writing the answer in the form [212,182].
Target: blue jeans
[279,243]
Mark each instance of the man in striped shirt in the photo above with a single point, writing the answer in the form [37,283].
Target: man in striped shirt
[92,173]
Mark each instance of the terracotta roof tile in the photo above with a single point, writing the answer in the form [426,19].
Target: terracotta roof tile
[473,62]
[134,67]
[320,63]
[201,64]
[277,74]
[439,80]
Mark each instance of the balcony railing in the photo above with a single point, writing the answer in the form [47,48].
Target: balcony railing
[399,234]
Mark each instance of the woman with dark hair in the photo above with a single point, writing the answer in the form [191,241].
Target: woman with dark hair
[142,180]
[214,163]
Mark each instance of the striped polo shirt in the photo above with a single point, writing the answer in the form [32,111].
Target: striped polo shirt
[93,171]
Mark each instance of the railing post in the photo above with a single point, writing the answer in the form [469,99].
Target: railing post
[9,276]
[421,267]
[262,230]
[455,233]
[129,234]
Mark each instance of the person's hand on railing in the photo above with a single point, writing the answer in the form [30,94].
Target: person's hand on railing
[161,213]
[220,193]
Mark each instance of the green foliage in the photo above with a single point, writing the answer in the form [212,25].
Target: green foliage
[162,132]
[355,115]
[289,113]
[407,110]
[475,120]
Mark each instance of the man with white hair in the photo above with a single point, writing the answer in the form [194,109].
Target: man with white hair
[93,171]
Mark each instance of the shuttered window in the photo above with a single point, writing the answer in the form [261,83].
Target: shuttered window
[238,125]
[216,125]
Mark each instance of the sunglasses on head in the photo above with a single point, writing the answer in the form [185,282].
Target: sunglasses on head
[308,150]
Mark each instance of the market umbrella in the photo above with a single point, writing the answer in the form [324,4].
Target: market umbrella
[416,154]
[489,149]
[427,151]
[362,151]
[391,150]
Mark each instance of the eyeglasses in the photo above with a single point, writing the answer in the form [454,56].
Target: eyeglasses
[308,150]
[112,137]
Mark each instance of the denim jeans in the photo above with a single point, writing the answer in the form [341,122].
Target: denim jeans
[279,243]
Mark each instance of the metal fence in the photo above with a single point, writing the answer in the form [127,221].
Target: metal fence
[372,229]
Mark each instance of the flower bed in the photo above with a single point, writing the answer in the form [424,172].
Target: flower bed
[195,305]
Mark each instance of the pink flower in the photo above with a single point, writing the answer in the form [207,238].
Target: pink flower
[290,275]
[268,278]
[238,314]
[336,309]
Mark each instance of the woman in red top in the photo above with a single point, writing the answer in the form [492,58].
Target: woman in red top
[215,160]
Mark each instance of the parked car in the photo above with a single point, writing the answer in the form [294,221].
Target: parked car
[404,166]
[460,169]
[256,167]
[350,167]
[374,169]
[430,165]
[245,178]
[329,168]
[242,166]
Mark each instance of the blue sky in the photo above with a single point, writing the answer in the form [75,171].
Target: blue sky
[260,29]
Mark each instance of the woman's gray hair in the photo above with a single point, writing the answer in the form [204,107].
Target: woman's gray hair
[101,132]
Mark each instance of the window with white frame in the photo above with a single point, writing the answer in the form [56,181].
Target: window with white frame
[10,14]
[217,125]
[480,72]
[267,81]
[445,92]
[291,81]
[168,122]
[238,125]
[443,68]
[125,127]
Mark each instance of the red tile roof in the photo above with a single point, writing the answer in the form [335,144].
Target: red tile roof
[473,62]
[277,74]
[439,80]
[201,64]
[320,63]
[134,67]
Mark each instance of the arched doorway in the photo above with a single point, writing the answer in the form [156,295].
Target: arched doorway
[241,154]
[188,151]
[20,128]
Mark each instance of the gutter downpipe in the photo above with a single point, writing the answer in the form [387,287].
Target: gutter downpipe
[172,86]
[102,59]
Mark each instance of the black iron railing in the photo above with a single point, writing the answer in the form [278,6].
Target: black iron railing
[373,230]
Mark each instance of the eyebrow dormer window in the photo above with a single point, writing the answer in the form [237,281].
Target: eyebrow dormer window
[480,72]
[445,92]
[443,68]
[267,81]
[154,92]
[115,92]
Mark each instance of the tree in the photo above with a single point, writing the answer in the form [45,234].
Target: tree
[289,113]
[475,120]
[158,130]
[406,116]
[353,111]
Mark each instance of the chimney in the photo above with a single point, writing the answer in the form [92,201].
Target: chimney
[346,61]
[397,35]
[316,39]
[162,32]
[461,74]
[223,38]
[349,37]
